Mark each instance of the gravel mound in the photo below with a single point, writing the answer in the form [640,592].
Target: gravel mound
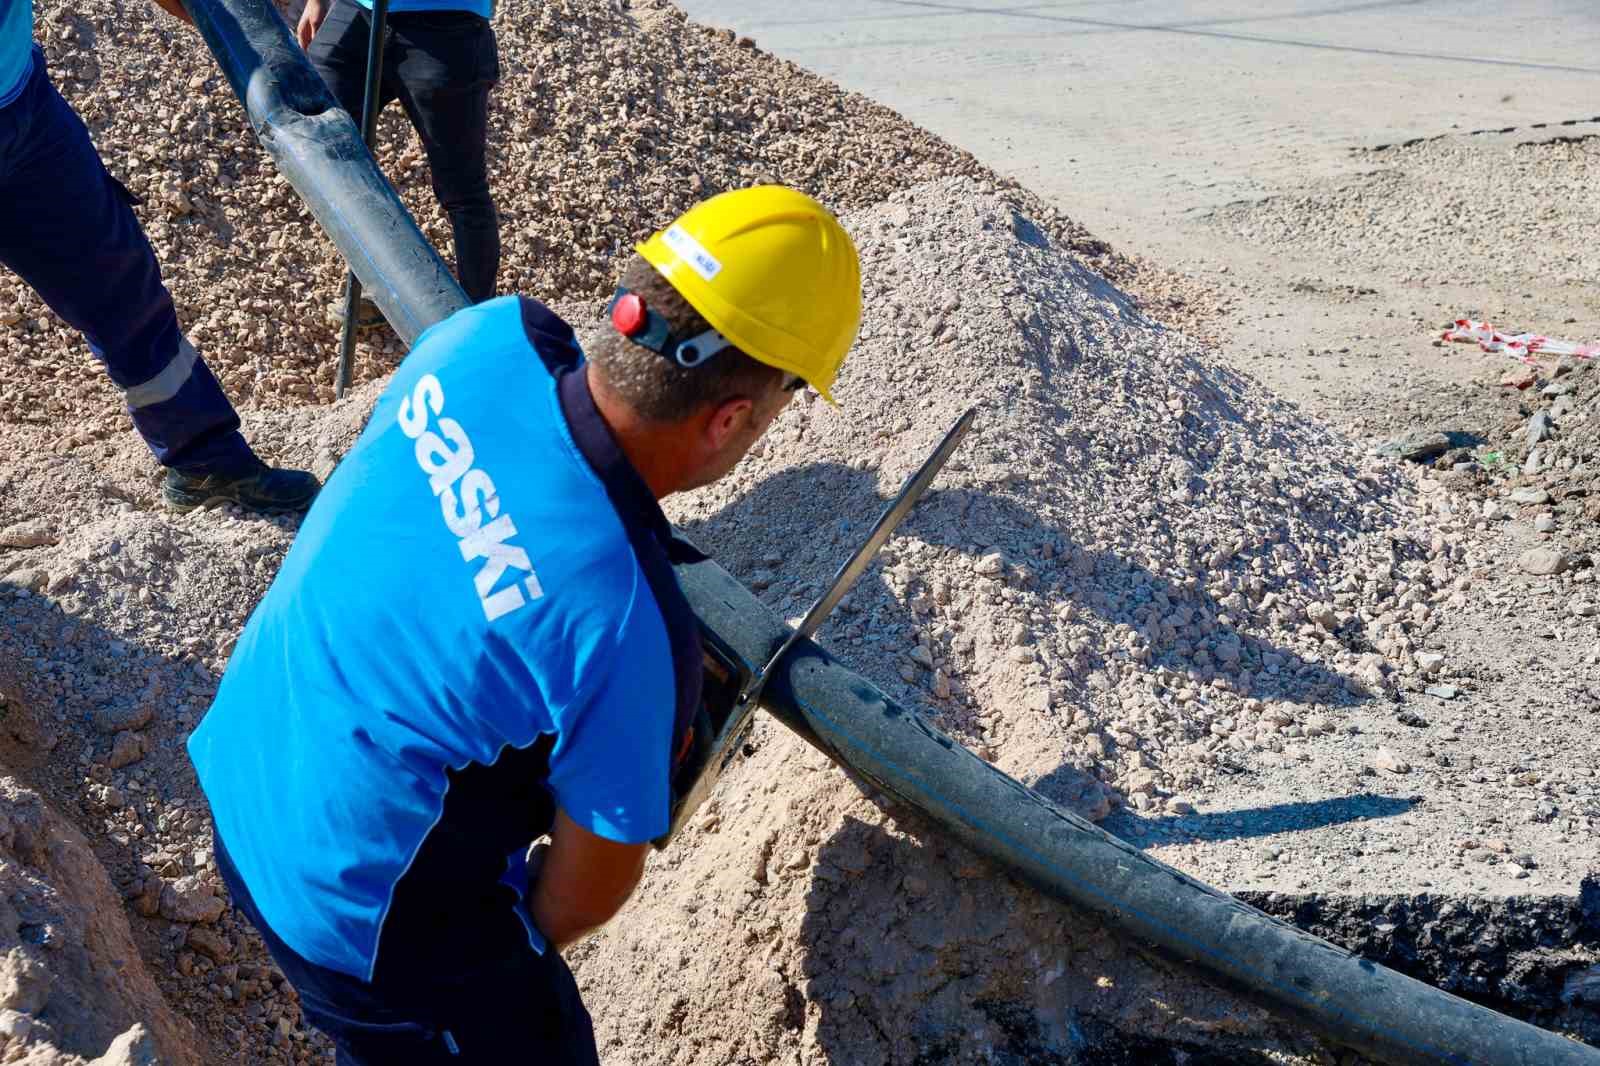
[1140,572]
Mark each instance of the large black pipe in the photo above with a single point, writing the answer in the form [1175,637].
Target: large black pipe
[318,147]
[1348,999]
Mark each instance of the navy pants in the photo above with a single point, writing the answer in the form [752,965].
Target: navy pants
[440,65]
[429,1005]
[67,228]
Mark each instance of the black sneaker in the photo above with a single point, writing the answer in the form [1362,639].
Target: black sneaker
[266,489]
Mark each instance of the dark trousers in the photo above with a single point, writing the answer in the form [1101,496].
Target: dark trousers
[440,65]
[67,228]
[429,1006]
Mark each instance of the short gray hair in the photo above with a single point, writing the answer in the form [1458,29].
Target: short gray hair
[651,383]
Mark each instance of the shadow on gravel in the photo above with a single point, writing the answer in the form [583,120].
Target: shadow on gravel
[835,505]
[1258,821]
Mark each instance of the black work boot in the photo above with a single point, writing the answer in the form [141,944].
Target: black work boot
[264,489]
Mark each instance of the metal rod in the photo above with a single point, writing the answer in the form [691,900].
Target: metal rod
[856,565]
[370,103]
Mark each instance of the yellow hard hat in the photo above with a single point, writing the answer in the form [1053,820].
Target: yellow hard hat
[772,271]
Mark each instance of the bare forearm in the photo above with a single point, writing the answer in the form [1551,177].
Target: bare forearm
[564,922]
[580,881]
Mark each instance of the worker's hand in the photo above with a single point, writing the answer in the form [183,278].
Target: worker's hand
[176,9]
[311,20]
[581,881]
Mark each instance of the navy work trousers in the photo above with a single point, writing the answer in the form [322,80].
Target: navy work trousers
[430,1004]
[67,228]
[440,65]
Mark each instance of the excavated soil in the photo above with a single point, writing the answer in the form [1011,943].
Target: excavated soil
[1142,576]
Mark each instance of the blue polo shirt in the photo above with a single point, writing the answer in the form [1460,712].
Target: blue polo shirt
[477,622]
[16,47]
[477,7]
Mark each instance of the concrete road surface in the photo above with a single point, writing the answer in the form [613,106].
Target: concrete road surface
[1132,114]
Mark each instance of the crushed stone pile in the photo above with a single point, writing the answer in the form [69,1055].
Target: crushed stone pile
[1139,572]
[609,121]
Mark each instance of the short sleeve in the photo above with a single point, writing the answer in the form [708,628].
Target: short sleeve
[611,764]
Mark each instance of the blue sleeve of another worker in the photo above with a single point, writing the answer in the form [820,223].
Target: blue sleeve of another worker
[611,765]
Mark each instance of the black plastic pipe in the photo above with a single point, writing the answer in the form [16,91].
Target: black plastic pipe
[319,149]
[1348,999]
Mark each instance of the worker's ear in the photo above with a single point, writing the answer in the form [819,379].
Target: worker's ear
[726,421]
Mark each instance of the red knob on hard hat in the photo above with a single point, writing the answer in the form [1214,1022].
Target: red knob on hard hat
[629,315]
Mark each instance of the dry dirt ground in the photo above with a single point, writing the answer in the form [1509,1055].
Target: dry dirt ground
[1150,586]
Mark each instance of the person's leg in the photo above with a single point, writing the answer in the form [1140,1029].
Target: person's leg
[67,228]
[339,54]
[525,1006]
[482,997]
[447,62]
[365,1027]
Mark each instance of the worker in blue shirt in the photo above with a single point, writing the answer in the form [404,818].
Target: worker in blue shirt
[67,228]
[439,60]
[477,639]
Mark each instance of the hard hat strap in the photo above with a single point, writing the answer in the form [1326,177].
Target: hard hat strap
[643,326]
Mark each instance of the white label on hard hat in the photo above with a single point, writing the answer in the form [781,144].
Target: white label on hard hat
[690,251]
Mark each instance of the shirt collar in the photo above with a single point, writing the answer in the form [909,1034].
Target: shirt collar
[629,494]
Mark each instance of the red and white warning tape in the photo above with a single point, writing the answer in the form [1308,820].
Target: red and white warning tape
[1524,346]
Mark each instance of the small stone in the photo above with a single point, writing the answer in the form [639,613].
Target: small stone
[1543,561]
[33,533]
[941,684]
[1417,446]
[922,656]
[761,579]
[15,1025]
[1545,523]
[992,563]
[1583,609]
[1412,719]
[120,717]
[1324,615]
[1530,496]
[1519,378]
[126,749]
[1390,760]
[1179,807]
[1429,662]
[1020,655]
[148,902]
[208,942]
[1539,428]
[1442,692]
[190,900]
